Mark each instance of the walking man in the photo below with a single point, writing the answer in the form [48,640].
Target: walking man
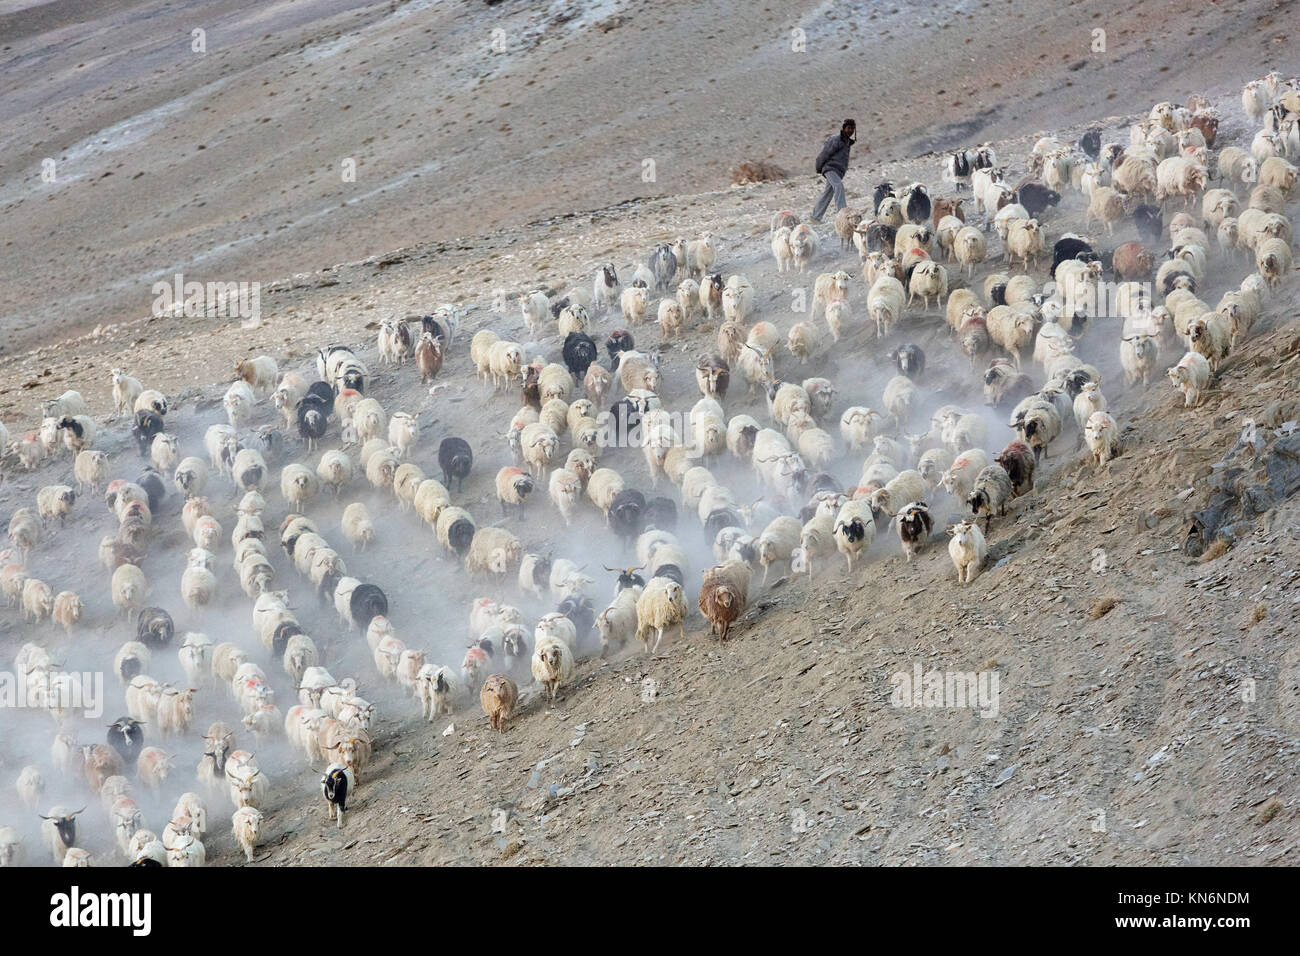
[833,163]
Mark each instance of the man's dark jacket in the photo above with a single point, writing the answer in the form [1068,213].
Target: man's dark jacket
[835,155]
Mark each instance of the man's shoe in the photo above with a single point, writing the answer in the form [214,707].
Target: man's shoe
[814,222]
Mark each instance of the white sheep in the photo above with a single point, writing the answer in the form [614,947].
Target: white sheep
[565,488]
[617,623]
[781,251]
[885,303]
[1025,241]
[246,823]
[700,255]
[968,550]
[552,665]
[129,589]
[906,487]
[634,302]
[1138,355]
[358,528]
[959,479]
[198,587]
[1191,376]
[238,403]
[533,306]
[438,689]
[298,485]
[403,433]
[1102,435]
[777,543]
[125,392]
[505,362]
[854,529]
[661,605]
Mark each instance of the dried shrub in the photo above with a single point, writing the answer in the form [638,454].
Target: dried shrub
[1102,607]
[1217,549]
[761,171]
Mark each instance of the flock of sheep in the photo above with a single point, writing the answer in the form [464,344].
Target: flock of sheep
[570,429]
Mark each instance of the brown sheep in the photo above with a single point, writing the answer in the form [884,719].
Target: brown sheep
[499,697]
[1132,260]
[1018,460]
[724,594]
[428,357]
[101,763]
[948,207]
[846,221]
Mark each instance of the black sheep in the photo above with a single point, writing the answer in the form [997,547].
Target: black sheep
[718,519]
[431,325]
[1090,143]
[1070,248]
[580,611]
[620,340]
[559,305]
[627,514]
[914,527]
[1171,281]
[353,377]
[324,393]
[1150,223]
[128,667]
[854,531]
[280,639]
[880,238]
[334,787]
[882,192]
[144,427]
[126,736]
[272,440]
[154,488]
[67,421]
[627,578]
[455,458]
[1036,198]
[910,360]
[290,540]
[824,482]
[916,204]
[154,627]
[542,571]
[367,602]
[460,535]
[672,572]
[626,417]
[580,353]
[1075,381]
[661,513]
[312,420]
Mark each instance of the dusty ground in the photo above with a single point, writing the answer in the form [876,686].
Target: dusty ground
[782,745]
